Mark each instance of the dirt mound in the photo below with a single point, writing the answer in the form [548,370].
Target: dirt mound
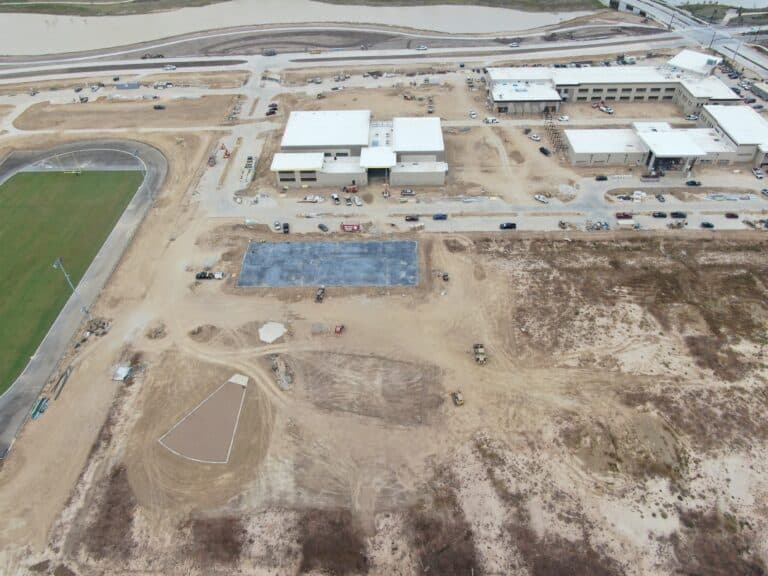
[204,333]
[400,392]
[156,331]
[109,535]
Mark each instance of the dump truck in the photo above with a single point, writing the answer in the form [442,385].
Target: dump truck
[479,351]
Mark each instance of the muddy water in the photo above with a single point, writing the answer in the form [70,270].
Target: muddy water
[45,34]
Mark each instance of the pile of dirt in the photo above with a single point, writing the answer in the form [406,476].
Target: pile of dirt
[109,535]
[204,333]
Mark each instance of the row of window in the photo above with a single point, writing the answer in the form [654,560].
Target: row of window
[669,90]
[623,98]
[304,176]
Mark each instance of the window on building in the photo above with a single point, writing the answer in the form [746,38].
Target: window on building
[282,175]
[597,90]
[639,89]
[668,97]
[653,97]
[583,90]
[612,90]
[655,89]
[626,89]
[610,97]
[287,179]
[342,154]
[625,98]
[581,99]
[309,177]
[670,89]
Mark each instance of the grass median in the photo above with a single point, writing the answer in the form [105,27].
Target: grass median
[44,215]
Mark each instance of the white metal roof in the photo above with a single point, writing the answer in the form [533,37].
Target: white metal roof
[709,140]
[342,165]
[421,167]
[327,128]
[605,141]
[417,135]
[671,144]
[709,87]
[524,91]
[741,123]
[377,157]
[697,62]
[286,161]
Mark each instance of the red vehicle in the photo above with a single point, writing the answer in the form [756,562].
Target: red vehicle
[350,227]
[351,189]
[623,216]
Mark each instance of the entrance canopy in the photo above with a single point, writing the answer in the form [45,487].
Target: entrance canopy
[377,157]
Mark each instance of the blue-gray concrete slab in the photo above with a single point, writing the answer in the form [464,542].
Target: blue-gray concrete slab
[365,263]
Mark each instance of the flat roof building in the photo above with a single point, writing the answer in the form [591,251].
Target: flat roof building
[684,80]
[747,129]
[344,147]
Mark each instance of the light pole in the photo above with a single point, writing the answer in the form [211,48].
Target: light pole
[59,265]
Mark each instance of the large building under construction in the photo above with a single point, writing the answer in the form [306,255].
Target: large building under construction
[345,147]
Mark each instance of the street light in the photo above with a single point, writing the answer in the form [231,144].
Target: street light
[58,264]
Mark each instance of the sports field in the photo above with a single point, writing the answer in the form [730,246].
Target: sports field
[44,215]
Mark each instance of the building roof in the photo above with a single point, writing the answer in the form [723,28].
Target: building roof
[378,157]
[605,141]
[709,140]
[327,128]
[421,167]
[696,62]
[524,91]
[709,87]
[671,144]
[342,165]
[741,123]
[288,162]
[417,135]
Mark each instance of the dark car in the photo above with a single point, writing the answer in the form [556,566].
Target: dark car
[204,275]
[412,218]
[545,151]
[78,89]
[116,79]
[158,107]
[659,214]
[737,90]
[732,215]
[693,183]
[623,216]
[679,215]
[323,227]
[271,112]
[440,217]
[507,226]
[286,228]
[750,100]
[707,225]
[660,198]
[601,178]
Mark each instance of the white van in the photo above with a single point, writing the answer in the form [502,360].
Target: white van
[491,120]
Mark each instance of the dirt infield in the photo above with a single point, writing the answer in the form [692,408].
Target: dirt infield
[207,432]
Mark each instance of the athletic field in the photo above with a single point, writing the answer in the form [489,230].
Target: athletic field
[44,215]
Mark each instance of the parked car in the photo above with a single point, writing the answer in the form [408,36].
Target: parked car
[707,225]
[541,198]
[737,90]
[411,218]
[323,227]
[750,100]
[678,215]
[440,217]
[692,117]
[271,112]
[534,137]
[473,114]
[601,178]
[158,107]
[764,191]
[336,199]
[286,228]
[348,201]
[277,225]
[660,198]
[545,151]
[659,214]
[491,120]
[623,216]
[357,201]
[624,197]
[514,44]
[759,174]
[169,67]
[563,118]
[732,215]
[693,183]
[421,47]
[407,192]
[507,226]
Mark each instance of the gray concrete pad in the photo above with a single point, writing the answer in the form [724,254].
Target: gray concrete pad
[353,263]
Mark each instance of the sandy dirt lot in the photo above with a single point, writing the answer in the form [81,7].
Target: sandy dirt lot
[179,112]
[616,429]
[201,79]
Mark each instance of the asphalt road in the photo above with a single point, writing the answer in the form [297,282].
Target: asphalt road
[16,402]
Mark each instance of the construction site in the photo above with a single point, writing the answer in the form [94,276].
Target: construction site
[272,373]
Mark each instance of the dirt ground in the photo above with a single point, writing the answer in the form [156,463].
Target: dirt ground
[179,112]
[617,428]
[201,79]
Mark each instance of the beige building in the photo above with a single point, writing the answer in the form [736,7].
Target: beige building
[335,148]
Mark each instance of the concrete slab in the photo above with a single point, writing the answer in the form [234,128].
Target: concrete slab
[353,263]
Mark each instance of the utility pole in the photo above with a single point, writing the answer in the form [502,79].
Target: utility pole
[713,39]
[59,265]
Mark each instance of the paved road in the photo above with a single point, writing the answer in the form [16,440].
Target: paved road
[17,401]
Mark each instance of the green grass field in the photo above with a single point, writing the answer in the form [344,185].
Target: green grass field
[44,215]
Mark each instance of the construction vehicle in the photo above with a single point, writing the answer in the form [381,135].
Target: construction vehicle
[458,398]
[480,356]
[351,189]
[320,294]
